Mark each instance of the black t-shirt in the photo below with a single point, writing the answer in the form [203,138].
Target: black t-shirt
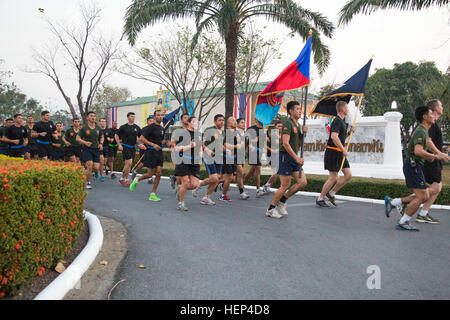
[48,127]
[154,133]
[435,134]
[110,133]
[128,134]
[255,143]
[340,127]
[105,141]
[191,153]
[14,133]
[2,133]
[234,141]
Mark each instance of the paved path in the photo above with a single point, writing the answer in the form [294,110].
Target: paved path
[232,251]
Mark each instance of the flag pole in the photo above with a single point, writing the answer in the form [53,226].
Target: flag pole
[351,133]
[304,110]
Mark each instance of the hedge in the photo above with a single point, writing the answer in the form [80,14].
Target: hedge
[373,189]
[41,215]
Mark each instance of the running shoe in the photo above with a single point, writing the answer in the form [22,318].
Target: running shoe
[244,196]
[154,197]
[133,174]
[207,201]
[281,207]
[224,198]
[322,203]
[88,186]
[173,180]
[151,180]
[427,219]
[195,192]
[113,175]
[125,183]
[387,206]
[406,226]
[273,213]
[259,193]
[182,207]
[102,179]
[331,199]
[96,174]
[134,184]
[266,189]
[106,170]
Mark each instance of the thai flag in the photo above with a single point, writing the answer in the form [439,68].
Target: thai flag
[242,108]
[112,116]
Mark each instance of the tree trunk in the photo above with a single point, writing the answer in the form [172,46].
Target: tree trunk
[231,43]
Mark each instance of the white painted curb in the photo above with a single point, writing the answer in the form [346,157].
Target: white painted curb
[67,280]
[315,194]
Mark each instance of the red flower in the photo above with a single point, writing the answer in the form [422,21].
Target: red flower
[72,225]
[17,246]
[39,273]
[4,236]
[4,281]
[29,220]
[21,227]
[5,180]
[6,186]
[67,182]
[63,211]
[5,198]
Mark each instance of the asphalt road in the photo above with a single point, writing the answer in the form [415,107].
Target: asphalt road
[232,251]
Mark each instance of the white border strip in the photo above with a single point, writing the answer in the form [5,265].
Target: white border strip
[67,280]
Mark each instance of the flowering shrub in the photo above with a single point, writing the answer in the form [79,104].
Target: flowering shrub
[41,214]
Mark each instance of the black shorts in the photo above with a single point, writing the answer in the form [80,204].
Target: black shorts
[128,153]
[57,154]
[110,152]
[4,150]
[91,154]
[73,151]
[414,176]
[16,152]
[141,152]
[153,158]
[229,169]
[182,170]
[287,164]
[32,149]
[333,160]
[44,150]
[433,171]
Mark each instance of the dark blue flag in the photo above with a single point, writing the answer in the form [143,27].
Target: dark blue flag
[352,87]
[169,119]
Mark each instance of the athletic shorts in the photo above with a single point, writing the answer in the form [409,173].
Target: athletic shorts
[73,151]
[288,164]
[433,171]
[56,155]
[32,149]
[141,152]
[90,154]
[333,160]
[182,170]
[44,150]
[110,152]
[414,176]
[4,150]
[229,169]
[128,153]
[153,158]
[16,153]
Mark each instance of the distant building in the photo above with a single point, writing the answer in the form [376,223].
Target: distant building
[145,106]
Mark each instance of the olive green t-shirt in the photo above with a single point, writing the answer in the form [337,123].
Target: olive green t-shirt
[91,135]
[71,137]
[30,139]
[295,133]
[419,136]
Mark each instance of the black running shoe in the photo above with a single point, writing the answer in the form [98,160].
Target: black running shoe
[322,203]
[332,199]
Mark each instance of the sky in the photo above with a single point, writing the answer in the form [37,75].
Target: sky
[390,36]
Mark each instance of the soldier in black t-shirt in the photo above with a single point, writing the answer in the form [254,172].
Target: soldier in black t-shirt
[3,145]
[31,148]
[16,138]
[240,158]
[102,124]
[42,132]
[334,154]
[58,145]
[110,149]
[256,144]
[153,158]
[126,139]
[186,154]
[142,149]
[273,148]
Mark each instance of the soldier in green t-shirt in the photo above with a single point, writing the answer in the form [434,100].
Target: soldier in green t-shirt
[290,164]
[416,154]
[73,150]
[91,138]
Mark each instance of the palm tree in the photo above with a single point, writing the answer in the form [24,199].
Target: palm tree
[228,17]
[353,7]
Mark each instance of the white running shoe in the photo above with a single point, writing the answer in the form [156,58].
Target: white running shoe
[282,208]
[273,213]
[195,192]
[244,196]
[207,201]
[266,189]
[88,186]
[259,193]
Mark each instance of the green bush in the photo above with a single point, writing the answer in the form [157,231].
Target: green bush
[41,215]
[372,189]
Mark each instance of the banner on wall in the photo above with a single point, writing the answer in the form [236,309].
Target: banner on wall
[162,100]
[145,112]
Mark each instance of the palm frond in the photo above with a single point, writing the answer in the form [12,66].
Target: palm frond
[354,7]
